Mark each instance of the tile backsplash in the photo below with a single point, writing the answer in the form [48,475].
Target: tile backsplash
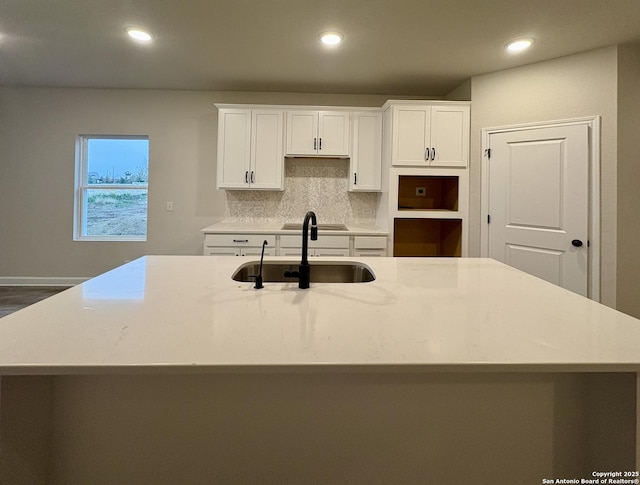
[316,184]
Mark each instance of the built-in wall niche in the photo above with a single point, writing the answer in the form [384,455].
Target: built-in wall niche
[427,237]
[424,192]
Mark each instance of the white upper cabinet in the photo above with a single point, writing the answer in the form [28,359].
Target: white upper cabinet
[366,151]
[424,135]
[317,133]
[250,149]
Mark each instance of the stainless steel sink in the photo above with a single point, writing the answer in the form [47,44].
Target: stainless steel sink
[295,226]
[321,272]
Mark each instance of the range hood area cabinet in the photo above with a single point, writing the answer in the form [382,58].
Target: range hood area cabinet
[429,134]
[317,133]
[250,151]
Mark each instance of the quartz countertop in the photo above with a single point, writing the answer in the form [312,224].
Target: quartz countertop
[233,227]
[186,314]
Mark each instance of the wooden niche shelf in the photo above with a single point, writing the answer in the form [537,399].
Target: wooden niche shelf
[427,237]
[424,192]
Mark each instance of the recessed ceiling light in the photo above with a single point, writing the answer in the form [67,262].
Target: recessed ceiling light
[139,35]
[331,38]
[519,45]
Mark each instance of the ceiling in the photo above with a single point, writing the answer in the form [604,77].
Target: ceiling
[403,47]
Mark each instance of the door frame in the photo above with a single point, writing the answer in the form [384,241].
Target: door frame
[593,122]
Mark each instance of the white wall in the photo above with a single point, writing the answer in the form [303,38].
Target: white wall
[580,85]
[628,180]
[38,127]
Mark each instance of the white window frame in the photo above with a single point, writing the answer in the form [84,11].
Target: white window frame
[81,188]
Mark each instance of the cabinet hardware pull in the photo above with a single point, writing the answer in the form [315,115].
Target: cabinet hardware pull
[252,177]
[320,144]
[240,240]
[433,154]
[355,179]
[246,177]
[426,154]
[315,141]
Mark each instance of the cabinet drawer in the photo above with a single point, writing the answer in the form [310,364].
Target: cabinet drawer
[239,240]
[368,253]
[370,242]
[322,242]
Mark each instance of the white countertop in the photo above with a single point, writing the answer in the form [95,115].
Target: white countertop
[186,314]
[231,227]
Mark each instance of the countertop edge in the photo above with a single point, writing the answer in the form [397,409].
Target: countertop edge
[311,368]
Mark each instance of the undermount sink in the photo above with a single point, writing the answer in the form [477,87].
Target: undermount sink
[295,226]
[321,272]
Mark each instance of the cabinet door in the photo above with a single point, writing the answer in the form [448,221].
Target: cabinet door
[449,136]
[222,251]
[369,253]
[329,252]
[234,148]
[302,132]
[291,252]
[257,252]
[366,152]
[267,157]
[333,133]
[411,135]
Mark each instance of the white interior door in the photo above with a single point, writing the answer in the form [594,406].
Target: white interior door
[539,203]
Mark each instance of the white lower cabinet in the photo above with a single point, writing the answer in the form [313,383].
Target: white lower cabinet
[369,253]
[324,246]
[239,244]
[315,252]
[365,246]
[216,244]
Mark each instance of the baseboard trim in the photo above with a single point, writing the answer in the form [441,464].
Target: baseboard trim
[40,281]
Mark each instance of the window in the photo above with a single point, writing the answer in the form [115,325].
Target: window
[112,174]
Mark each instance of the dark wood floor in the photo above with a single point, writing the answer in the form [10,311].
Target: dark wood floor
[13,298]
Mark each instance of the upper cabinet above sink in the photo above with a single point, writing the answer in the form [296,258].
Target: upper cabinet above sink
[317,133]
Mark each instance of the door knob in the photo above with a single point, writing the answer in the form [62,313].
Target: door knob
[577,243]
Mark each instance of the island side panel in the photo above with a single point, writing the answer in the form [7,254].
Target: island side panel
[26,426]
[337,428]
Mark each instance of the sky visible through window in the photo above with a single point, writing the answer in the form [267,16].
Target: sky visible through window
[117,160]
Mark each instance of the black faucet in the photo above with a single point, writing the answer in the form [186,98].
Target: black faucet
[303,274]
[258,277]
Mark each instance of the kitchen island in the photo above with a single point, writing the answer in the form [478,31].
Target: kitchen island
[440,371]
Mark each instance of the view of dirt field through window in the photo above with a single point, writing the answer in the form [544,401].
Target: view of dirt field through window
[121,212]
